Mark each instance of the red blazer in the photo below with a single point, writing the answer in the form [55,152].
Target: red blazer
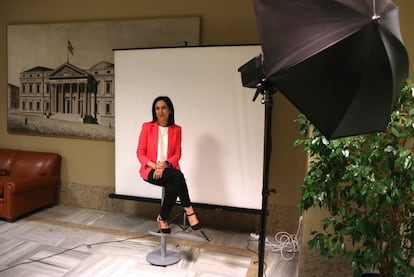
[148,146]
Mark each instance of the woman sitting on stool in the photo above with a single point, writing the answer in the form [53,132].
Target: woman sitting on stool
[159,151]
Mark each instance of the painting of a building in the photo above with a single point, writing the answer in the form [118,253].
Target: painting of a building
[66,93]
[69,93]
[13,93]
[61,75]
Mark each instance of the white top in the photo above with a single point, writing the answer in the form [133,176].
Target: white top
[162,143]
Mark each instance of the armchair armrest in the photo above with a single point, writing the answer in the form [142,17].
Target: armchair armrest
[30,183]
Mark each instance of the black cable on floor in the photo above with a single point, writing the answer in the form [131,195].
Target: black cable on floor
[88,245]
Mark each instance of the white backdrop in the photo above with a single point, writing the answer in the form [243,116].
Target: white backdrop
[222,146]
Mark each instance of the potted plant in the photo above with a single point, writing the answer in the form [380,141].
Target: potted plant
[366,183]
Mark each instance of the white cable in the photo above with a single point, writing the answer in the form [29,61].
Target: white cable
[286,243]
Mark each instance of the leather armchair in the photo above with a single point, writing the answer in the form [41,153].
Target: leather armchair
[29,180]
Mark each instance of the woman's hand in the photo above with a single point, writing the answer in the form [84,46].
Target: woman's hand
[158,173]
[158,169]
[162,165]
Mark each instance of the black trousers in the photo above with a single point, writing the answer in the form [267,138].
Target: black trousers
[174,183]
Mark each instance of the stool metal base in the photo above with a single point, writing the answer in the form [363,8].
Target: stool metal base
[162,256]
[157,258]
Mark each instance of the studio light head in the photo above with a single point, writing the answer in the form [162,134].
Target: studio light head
[252,72]
[253,76]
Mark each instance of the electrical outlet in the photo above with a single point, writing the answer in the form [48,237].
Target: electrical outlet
[254,236]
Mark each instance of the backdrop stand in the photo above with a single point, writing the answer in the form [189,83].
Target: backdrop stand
[267,92]
[185,226]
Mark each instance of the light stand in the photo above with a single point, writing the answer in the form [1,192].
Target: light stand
[253,76]
[267,92]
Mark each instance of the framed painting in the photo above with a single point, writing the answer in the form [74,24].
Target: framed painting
[61,76]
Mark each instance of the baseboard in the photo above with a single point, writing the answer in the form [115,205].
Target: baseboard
[281,217]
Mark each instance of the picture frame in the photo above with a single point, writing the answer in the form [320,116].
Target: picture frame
[61,75]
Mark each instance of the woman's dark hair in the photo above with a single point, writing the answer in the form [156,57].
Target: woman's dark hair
[167,100]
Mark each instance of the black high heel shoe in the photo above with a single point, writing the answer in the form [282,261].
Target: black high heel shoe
[160,229]
[195,227]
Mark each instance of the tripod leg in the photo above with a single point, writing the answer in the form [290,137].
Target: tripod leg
[184,226]
[204,235]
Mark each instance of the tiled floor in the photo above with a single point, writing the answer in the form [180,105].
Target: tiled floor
[68,241]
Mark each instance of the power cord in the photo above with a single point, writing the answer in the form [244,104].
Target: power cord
[89,245]
[286,243]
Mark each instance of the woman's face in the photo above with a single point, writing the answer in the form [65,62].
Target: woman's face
[162,111]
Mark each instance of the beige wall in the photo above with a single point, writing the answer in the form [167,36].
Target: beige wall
[91,163]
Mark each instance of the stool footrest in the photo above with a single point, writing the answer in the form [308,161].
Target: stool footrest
[157,234]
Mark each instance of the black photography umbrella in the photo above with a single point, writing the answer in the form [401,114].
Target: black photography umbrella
[340,62]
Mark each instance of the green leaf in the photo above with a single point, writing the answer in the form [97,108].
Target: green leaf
[395,132]
[366,183]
